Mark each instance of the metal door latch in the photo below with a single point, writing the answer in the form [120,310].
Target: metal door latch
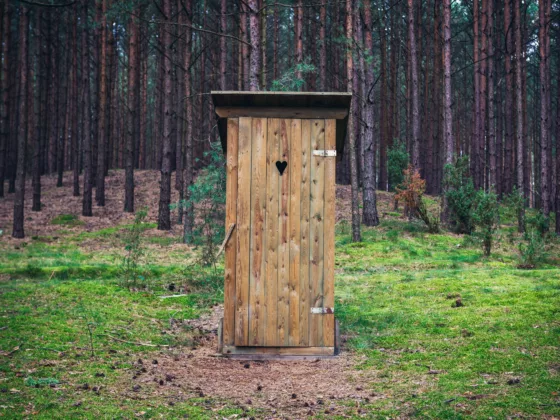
[322,310]
[324,153]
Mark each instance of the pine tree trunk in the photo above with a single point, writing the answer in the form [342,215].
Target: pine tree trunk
[75,145]
[188,216]
[18,229]
[263,32]
[356,234]
[164,217]
[413,85]
[34,131]
[102,110]
[369,215]
[509,162]
[5,90]
[479,179]
[323,47]
[384,122]
[447,94]
[490,89]
[544,99]
[245,47]
[132,117]
[298,16]
[223,46]
[519,108]
[86,117]
[558,148]
[255,46]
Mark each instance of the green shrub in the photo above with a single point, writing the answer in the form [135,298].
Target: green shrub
[514,207]
[460,195]
[397,161]
[532,250]
[67,220]
[539,223]
[486,215]
[289,82]
[130,269]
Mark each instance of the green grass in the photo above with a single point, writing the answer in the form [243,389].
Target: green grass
[394,298]
[70,220]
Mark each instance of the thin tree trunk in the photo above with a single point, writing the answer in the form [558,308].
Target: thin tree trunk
[447,93]
[18,229]
[509,163]
[384,122]
[356,234]
[75,145]
[519,108]
[223,49]
[188,217]
[255,46]
[558,148]
[86,115]
[164,219]
[298,16]
[34,123]
[263,33]
[491,106]
[544,98]
[132,118]
[102,110]
[323,47]
[413,85]
[369,215]
[5,89]
[482,22]
[245,47]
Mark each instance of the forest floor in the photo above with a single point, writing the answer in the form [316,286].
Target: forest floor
[76,343]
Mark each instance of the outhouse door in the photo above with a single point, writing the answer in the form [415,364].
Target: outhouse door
[285,217]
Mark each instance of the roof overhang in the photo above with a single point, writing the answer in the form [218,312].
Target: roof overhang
[314,105]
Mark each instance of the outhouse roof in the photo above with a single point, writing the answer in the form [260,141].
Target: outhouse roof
[331,105]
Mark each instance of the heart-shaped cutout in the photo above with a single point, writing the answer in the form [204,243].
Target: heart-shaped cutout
[281,166]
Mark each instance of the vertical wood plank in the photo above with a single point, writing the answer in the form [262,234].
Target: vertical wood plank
[231,246]
[271,259]
[294,162]
[329,239]
[305,211]
[258,211]
[283,230]
[243,233]
[317,232]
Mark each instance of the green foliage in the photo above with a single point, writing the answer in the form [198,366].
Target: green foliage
[289,82]
[514,207]
[70,220]
[130,269]
[207,199]
[397,161]
[486,215]
[39,382]
[460,195]
[539,223]
[532,250]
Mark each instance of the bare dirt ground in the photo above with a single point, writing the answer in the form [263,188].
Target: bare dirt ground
[277,388]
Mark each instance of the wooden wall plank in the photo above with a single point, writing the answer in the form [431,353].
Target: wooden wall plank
[283,230]
[328,236]
[243,233]
[280,112]
[271,257]
[295,231]
[231,246]
[317,231]
[258,212]
[304,284]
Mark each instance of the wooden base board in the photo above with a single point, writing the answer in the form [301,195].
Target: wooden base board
[268,353]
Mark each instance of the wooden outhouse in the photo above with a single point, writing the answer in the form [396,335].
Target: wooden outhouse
[281,151]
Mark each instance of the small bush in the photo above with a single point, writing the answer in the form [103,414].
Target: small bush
[486,215]
[514,206]
[67,220]
[411,192]
[539,223]
[460,195]
[289,82]
[532,250]
[130,269]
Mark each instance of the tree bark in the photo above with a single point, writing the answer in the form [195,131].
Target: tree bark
[75,145]
[323,47]
[255,46]
[356,234]
[5,89]
[369,215]
[447,94]
[188,217]
[102,110]
[86,117]
[544,97]
[132,118]
[491,139]
[413,85]
[298,16]
[34,97]
[519,108]
[509,163]
[18,229]
[164,217]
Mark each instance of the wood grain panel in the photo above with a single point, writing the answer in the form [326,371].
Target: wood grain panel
[258,212]
[317,231]
[295,231]
[231,246]
[328,236]
[304,285]
[243,233]
[272,226]
[283,231]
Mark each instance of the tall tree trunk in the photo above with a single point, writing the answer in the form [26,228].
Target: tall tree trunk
[482,144]
[75,145]
[18,230]
[164,219]
[544,97]
[369,215]
[413,85]
[558,147]
[263,42]
[490,89]
[323,47]
[5,89]
[384,122]
[447,94]
[298,16]
[509,163]
[34,123]
[144,99]
[356,234]
[245,48]
[223,49]
[276,41]
[86,117]
[255,45]
[519,108]
[132,118]
[102,110]
[188,217]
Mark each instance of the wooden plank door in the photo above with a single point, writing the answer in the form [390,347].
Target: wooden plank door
[285,233]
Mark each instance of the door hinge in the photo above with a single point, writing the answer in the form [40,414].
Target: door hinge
[322,310]
[324,153]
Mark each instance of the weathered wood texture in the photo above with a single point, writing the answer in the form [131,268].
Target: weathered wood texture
[280,259]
